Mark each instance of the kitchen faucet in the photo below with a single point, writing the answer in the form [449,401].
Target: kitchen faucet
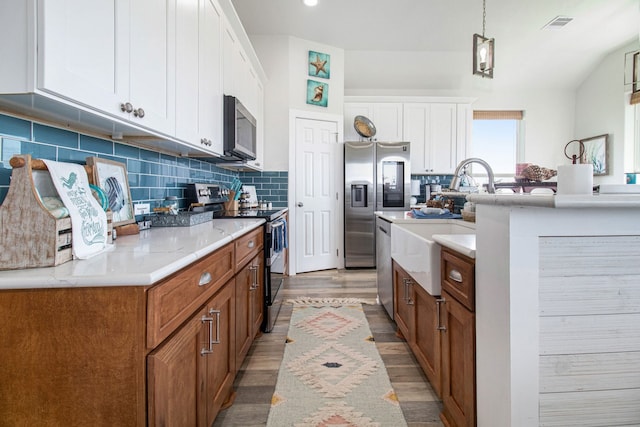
[455,182]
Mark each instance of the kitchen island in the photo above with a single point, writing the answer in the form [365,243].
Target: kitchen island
[148,333]
[557,310]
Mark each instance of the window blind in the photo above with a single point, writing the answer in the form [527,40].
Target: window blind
[498,115]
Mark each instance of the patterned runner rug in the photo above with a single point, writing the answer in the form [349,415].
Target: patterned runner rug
[332,373]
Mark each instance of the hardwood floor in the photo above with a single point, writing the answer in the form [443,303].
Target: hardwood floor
[257,377]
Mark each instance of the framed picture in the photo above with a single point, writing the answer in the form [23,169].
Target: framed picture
[112,178]
[596,151]
[636,72]
[317,93]
[319,65]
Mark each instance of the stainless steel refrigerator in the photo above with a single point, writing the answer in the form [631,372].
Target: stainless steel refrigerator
[377,177]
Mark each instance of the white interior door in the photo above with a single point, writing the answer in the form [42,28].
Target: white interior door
[316,203]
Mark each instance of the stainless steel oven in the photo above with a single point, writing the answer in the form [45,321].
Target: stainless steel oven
[276,242]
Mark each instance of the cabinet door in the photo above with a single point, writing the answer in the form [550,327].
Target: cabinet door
[464,128]
[258,163]
[403,302]
[176,378]
[210,106]
[249,309]
[416,124]
[441,148]
[426,342]
[83,51]
[458,364]
[387,117]
[221,364]
[199,74]
[152,62]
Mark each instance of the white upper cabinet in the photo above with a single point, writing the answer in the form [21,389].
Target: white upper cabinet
[83,50]
[152,80]
[116,56]
[199,74]
[138,68]
[439,135]
[386,117]
[242,80]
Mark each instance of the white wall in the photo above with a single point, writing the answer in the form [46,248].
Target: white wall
[553,116]
[285,61]
[600,109]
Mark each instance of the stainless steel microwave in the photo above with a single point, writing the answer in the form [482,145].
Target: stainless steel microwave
[239,131]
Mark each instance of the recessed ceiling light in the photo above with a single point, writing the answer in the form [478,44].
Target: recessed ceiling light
[310,2]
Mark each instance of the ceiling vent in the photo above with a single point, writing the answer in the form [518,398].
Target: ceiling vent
[557,22]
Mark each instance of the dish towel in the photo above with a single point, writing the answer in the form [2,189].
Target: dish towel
[88,219]
[279,235]
[418,214]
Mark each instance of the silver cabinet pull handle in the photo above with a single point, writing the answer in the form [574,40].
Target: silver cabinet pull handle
[407,296]
[217,340]
[300,204]
[208,350]
[455,275]
[254,273]
[138,113]
[438,302]
[251,244]
[205,279]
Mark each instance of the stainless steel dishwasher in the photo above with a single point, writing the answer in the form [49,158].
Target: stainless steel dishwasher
[383,264]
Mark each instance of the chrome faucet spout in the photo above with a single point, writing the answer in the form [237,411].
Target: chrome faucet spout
[455,182]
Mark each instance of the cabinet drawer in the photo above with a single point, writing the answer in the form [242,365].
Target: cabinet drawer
[173,301]
[458,277]
[248,246]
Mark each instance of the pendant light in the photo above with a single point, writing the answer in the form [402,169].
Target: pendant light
[310,2]
[483,50]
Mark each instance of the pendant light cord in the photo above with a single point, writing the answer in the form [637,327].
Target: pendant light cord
[484,15]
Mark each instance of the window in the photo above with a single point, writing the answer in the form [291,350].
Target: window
[498,139]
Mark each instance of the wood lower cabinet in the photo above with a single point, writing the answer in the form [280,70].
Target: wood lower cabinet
[250,306]
[416,316]
[403,305]
[458,341]
[159,355]
[426,336]
[190,375]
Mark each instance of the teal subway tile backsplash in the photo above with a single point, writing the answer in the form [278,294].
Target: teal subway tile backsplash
[270,186]
[152,175]
[15,127]
[54,136]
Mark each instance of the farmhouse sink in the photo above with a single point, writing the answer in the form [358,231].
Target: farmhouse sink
[414,249]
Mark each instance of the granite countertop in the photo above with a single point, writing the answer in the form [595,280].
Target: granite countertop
[138,260]
[464,244]
[558,201]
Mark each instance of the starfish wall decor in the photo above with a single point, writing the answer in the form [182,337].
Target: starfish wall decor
[319,65]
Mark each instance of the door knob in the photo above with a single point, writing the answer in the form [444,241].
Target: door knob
[300,204]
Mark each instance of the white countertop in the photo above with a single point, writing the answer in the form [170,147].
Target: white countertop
[400,217]
[560,201]
[139,260]
[464,244]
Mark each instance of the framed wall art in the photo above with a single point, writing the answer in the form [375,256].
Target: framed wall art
[317,93]
[596,151]
[319,65]
[112,178]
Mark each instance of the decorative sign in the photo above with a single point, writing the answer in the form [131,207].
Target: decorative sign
[319,65]
[317,93]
